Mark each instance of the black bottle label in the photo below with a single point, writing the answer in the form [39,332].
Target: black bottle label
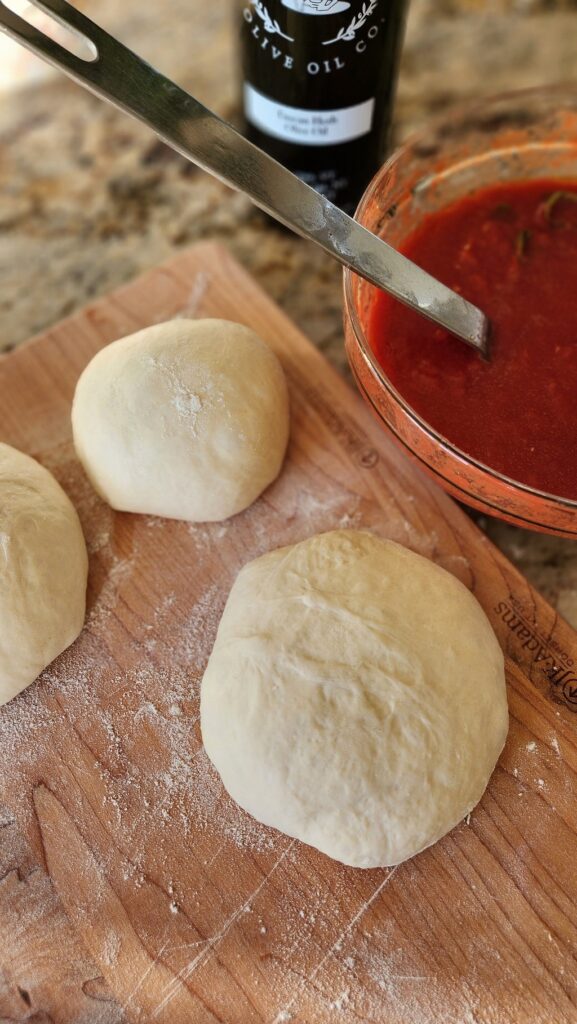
[318,85]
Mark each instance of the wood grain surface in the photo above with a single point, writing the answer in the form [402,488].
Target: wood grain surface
[132,889]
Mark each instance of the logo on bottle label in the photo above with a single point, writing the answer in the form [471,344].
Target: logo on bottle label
[257,14]
[316,6]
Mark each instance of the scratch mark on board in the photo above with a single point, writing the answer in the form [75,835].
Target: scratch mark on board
[210,944]
[284,1013]
[144,976]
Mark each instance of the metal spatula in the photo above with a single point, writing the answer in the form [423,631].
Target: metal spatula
[116,74]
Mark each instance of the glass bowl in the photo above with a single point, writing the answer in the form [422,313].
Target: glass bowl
[523,135]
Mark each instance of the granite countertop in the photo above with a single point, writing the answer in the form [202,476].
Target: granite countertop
[88,198]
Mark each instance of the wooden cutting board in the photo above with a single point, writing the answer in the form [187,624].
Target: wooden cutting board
[132,889]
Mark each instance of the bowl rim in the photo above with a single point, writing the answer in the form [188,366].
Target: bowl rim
[416,137]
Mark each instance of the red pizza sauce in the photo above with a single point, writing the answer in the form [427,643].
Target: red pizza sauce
[511,250]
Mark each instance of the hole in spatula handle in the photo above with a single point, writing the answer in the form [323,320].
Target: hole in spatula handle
[55,28]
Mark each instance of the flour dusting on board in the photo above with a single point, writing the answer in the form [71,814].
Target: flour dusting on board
[196,296]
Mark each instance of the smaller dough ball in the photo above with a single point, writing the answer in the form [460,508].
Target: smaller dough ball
[355,697]
[187,419]
[43,571]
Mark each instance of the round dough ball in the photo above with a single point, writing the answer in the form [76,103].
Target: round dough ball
[355,697]
[43,574]
[187,419]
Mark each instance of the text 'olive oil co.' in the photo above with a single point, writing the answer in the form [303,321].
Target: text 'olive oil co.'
[318,86]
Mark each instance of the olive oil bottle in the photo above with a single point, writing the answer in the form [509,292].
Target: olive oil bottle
[318,80]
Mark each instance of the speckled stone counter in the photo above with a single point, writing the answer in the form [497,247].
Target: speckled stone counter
[88,198]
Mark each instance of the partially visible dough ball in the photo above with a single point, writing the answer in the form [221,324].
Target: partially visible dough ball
[43,571]
[187,419]
[355,697]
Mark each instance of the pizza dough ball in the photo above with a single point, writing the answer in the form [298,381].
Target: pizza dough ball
[43,571]
[187,419]
[355,697]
